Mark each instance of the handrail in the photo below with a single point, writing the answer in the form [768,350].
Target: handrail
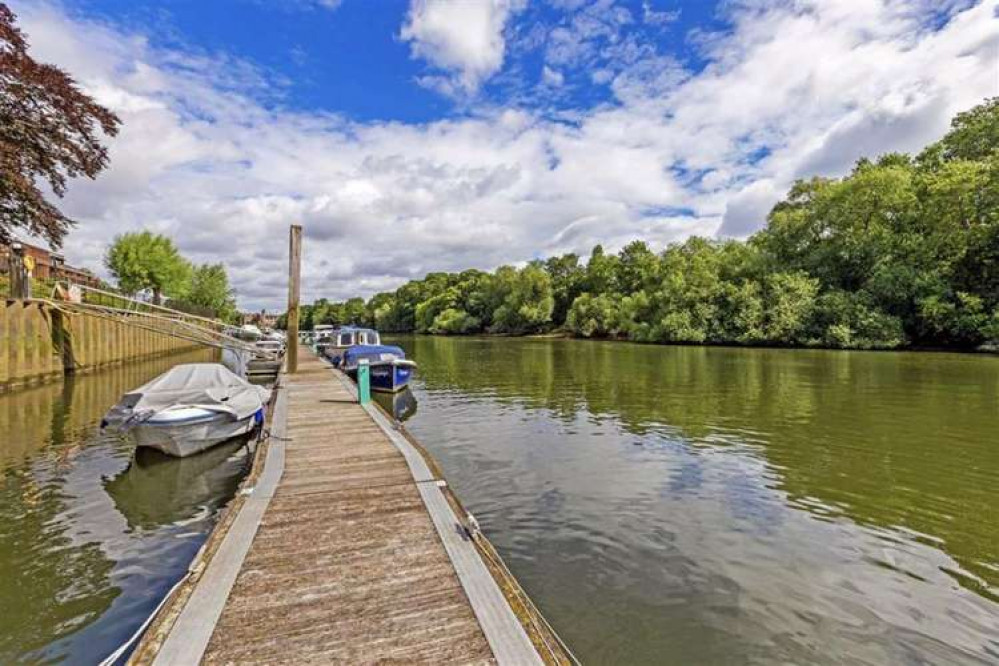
[164,320]
[179,313]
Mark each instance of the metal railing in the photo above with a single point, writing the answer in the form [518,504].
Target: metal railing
[79,299]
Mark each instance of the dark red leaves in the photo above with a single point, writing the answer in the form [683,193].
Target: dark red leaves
[49,131]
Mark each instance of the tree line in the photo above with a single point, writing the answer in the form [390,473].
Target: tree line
[903,251]
[144,261]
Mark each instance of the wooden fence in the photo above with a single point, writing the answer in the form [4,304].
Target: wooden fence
[38,342]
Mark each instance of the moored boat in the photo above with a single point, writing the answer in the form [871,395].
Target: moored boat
[389,368]
[189,408]
[341,339]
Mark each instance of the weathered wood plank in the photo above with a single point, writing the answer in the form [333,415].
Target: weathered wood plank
[350,560]
[346,565]
[190,635]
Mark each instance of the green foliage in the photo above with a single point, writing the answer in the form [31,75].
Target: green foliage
[454,322]
[594,316]
[144,260]
[526,300]
[974,133]
[209,288]
[790,299]
[900,252]
[568,279]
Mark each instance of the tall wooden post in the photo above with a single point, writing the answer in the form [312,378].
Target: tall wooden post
[20,267]
[294,284]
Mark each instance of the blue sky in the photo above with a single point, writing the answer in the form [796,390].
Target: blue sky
[410,136]
[348,56]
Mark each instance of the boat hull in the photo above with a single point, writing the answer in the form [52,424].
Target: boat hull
[186,439]
[388,376]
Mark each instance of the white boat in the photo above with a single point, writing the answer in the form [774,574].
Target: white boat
[249,332]
[190,408]
[270,347]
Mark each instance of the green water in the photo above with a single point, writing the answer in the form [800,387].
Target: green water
[91,534]
[689,505]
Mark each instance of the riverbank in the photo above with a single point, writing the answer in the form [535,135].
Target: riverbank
[990,348]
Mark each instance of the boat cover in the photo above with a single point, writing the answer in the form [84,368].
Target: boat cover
[373,353]
[207,385]
[237,360]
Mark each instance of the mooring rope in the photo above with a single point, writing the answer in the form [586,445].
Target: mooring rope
[117,654]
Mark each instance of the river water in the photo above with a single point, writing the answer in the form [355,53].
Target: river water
[667,505]
[691,505]
[91,534]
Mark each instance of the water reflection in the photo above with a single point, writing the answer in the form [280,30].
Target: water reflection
[82,565]
[401,405]
[157,490]
[699,505]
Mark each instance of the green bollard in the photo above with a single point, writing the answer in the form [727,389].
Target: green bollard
[363,381]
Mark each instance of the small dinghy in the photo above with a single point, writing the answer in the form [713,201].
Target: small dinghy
[189,408]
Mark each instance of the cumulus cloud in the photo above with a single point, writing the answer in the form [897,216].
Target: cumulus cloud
[464,39]
[746,208]
[786,91]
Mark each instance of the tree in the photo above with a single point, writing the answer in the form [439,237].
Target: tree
[900,251]
[567,283]
[454,322]
[209,288]
[974,134]
[354,312]
[637,267]
[790,299]
[144,260]
[601,272]
[49,131]
[527,300]
[593,316]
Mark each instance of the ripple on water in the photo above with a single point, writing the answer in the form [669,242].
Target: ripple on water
[709,505]
[91,534]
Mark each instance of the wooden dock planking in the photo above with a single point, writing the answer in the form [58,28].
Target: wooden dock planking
[347,562]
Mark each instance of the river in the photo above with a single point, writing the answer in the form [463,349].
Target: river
[91,534]
[668,505]
[694,505]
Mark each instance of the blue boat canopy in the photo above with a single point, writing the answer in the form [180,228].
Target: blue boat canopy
[372,352]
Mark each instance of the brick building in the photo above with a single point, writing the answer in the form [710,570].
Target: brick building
[260,319]
[49,265]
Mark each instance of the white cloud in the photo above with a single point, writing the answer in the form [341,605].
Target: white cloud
[746,208]
[588,29]
[465,39]
[552,77]
[788,91]
[658,17]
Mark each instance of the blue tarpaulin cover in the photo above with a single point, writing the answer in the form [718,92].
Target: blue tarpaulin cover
[371,352]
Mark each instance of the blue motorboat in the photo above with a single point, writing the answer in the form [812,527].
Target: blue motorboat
[390,369]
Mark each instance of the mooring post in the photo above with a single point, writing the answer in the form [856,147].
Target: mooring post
[363,381]
[20,272]
[294,277]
